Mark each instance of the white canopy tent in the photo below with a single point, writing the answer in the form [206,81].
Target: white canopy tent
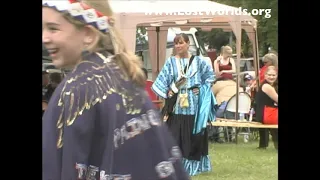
[130,14]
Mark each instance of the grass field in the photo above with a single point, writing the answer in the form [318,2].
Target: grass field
[241,162]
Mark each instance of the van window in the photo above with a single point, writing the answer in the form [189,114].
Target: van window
[192,47]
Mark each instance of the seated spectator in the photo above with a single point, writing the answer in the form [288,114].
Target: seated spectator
[45,82]
[54,81]
[248,81]
[224,66]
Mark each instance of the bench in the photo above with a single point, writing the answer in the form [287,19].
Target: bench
[240,124]
[235,123]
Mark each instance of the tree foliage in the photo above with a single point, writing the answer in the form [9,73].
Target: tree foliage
[141,35]
[267,28]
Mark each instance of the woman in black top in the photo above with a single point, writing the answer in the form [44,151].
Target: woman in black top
[267,96]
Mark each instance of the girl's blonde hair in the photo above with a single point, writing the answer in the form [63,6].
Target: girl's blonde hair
[269,68]
[112,41]
[226,50]
[221,50]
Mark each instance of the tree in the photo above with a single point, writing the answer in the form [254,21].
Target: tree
[267,25]
[141,35]
[141,41]
[216,38]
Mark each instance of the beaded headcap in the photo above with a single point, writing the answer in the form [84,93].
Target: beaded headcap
[81,12]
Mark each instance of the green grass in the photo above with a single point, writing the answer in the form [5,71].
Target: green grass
[241,162]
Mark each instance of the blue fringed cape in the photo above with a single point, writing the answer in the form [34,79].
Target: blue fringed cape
[206,109]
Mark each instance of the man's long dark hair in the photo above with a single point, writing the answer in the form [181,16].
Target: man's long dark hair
[145,72]
[55,78]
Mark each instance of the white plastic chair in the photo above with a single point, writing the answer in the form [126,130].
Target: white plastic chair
[244,107]
[244,104]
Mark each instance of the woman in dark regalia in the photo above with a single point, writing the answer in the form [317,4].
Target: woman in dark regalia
[99,123]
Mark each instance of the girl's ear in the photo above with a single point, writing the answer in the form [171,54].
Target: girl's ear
[91,35]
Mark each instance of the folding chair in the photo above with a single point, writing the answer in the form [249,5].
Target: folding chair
[244,106]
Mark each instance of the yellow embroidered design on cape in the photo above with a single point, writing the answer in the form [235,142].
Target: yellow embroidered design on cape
[95,84]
